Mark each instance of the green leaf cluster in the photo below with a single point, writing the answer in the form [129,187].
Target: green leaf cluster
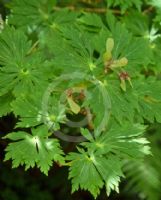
[58,62]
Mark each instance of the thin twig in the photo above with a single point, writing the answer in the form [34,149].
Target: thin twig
[148,10]
[89,9]
[99,10]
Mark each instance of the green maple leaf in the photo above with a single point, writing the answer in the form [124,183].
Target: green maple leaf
[74,47]
[20,71]
[124,105]
[126,45]
[124,5]
[33,149]
[110,169]
[143,101]
[62,18]
[39,15]
[30,12]
[90,22]
[98,97]
[90,172]
[149,99]
[28,108]
[14,47]
[84,173]
[34,111]
[137,23]
[125,141]
[102,160]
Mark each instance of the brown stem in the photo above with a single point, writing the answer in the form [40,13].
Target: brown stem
[148,10]
[99,10]
[96,10]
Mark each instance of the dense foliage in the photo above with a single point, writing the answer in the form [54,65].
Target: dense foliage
[84,72]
